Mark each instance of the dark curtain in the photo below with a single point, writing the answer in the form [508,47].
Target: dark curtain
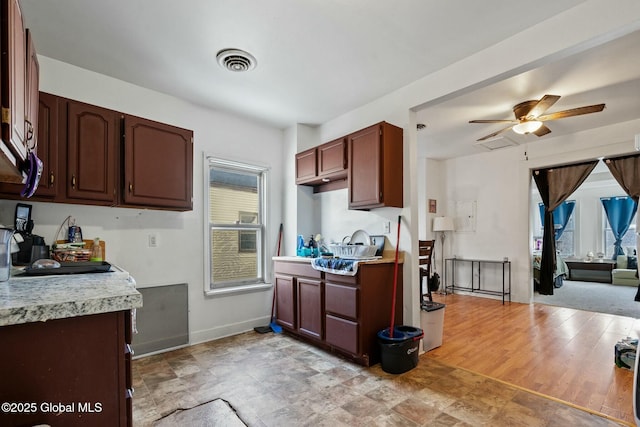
[555,185]
[620,212]
[626,170]
[561,216]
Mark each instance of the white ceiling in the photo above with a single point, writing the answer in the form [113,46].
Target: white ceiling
[609,74]
[318,59]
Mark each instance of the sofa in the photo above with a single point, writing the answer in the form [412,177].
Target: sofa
[622,274]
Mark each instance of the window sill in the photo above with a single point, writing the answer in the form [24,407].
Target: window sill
[234,290]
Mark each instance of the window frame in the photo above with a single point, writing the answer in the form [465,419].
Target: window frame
[263,281]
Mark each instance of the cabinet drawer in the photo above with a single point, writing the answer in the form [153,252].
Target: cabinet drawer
[297,269]
[342,333]
[341,300]
[339,278]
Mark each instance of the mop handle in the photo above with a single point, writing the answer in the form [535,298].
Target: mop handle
[395,281]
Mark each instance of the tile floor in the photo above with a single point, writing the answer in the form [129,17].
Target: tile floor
[275,380]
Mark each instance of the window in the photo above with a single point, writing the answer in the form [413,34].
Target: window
[566,244]
[236,219]
[628,240]
[247,239]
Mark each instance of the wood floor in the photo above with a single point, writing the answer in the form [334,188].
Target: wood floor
[563,353]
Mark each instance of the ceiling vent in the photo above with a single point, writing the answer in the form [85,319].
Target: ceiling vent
[495,143]
[236,60]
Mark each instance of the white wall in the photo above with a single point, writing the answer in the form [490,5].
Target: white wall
[179,255]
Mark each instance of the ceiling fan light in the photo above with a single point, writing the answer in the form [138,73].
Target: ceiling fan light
[527,127]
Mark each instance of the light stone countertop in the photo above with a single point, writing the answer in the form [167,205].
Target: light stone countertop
[25,299]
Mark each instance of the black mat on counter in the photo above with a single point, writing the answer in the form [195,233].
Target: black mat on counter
[71,268]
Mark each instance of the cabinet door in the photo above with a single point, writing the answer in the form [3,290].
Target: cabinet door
[32,95]
[306,167]
[365,172]
[158,164]
[77,360]
[332,159]
[47,151]
[14,79]
[48,109]
[285,301]
[310,307]
[92,133]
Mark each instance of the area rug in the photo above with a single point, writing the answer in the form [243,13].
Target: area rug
[215,413]
[593,296]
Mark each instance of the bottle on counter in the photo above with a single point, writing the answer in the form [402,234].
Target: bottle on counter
[313,246]
[96,251]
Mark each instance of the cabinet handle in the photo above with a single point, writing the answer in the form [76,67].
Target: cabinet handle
[130,188]
[73,182]
[129,393]
[128,349]
[51,178]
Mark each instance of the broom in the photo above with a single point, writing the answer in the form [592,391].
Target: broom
[273,325]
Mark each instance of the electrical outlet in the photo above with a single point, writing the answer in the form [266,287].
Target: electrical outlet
[153,240]
[386,226]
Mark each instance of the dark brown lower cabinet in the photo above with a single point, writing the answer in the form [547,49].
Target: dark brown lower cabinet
[339,313]
[285,302]
[71,372]
[310,307]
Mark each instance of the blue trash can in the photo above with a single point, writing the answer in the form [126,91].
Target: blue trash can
[399,354]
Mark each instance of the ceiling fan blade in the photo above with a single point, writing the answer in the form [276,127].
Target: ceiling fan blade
[491,135]
[572,112]
[494,121]
[543,105]
[542,130]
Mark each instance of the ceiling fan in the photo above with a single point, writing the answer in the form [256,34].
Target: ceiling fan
[529,117]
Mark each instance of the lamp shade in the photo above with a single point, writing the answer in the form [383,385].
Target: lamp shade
[527,127]
[443,223]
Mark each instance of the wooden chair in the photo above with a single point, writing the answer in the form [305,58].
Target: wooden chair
[425,249]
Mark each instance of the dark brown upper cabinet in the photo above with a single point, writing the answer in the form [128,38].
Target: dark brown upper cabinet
[48,121]
[13,87]
[92,137]
[376,169]
[332,160]
[47,139]
[324,167]
[158,165]
[96,156]
[306,166]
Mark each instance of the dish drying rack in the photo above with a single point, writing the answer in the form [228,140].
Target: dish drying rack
[359,246]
